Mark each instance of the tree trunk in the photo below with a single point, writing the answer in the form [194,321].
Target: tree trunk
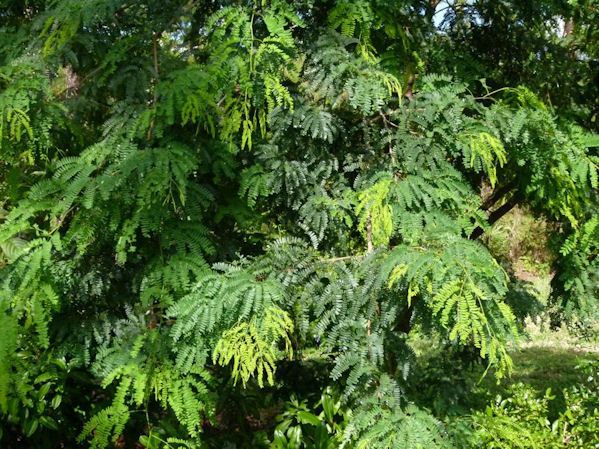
[497,214]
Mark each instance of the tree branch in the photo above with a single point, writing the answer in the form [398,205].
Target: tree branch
[369,234]
[404,324]
[497,214]
[154,83]
[497,194]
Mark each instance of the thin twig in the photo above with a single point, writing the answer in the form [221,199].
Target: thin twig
[341,259]
[369,233]
[155,83]
[491,93]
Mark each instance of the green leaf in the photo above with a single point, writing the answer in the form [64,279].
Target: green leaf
[308,418]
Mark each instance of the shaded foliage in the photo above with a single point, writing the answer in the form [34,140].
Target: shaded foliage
[204,200]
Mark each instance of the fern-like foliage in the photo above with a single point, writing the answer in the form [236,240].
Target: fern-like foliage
[7,350]
[375,213]
[204,202]
[381,422]
[466,295]
[253,349]
[28,110]
[337,77]
[575,288]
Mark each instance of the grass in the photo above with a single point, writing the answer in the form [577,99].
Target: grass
[449,384]
[544,359]
[553,368]
[549,360]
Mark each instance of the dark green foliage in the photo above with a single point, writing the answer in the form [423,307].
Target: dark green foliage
[203,201]
[576,286]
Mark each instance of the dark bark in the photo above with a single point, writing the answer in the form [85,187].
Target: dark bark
[497,214]
[497,194]
[431,8]
[568,27]
[409,93]
[404,323]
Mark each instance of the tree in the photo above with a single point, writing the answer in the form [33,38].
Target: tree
[206,201]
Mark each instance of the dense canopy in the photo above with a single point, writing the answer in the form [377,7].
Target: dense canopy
[213,207]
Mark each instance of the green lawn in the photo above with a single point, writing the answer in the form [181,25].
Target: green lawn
[545,359]
[545,367]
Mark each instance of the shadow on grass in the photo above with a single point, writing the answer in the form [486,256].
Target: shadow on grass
[456,389]
[546,367]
